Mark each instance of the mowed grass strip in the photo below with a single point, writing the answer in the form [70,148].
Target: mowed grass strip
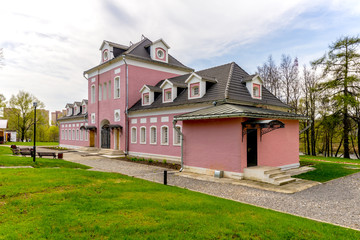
[7,159]
[326,171]
[72,203]
[329,159]
[32,143]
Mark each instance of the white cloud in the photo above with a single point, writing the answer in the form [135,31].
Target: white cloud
[48,44]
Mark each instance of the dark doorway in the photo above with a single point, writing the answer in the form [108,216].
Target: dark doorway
[105,137]
[251,147]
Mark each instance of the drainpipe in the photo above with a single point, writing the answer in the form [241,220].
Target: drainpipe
[182,145]
[126,109]
[306,128]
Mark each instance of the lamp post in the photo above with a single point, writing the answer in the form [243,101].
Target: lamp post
[34,149]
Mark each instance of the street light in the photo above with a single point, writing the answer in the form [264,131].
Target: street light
[34,149]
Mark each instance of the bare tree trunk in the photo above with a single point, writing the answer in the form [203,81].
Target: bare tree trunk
[337,151]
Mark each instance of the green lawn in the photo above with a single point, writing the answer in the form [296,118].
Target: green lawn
[32,143]
[62,203]
[326,171]
[330,159]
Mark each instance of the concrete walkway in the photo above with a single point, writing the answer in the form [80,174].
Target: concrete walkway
[336,202]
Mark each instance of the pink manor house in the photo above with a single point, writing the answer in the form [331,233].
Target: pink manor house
[145,103]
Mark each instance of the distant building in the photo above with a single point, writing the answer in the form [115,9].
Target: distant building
[55,116]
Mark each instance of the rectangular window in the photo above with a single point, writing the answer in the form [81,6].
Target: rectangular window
[133,135]
[81,134]
[92,118]
[142,135]
[195,90]
[153,136]
[65,132]
[105,91]
[117,87]
[167,95]
[177,136]
[93,94]
[164,135]
[100,92]
[109,86]
[77,134]
[69,134]
[73,134]
[256,90]
[62,134]
[86,135]
[146,98]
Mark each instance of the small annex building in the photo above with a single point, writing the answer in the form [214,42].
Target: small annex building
[146,103]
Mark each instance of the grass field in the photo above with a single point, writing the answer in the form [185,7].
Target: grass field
[326,171]
[32,143]
[62,203]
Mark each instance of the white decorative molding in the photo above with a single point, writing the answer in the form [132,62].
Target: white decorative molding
[117,70]
[153,120]
[165,119]
[143,120]
[134,121]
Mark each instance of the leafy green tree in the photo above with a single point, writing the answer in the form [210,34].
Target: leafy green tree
[340,70]
[20,113]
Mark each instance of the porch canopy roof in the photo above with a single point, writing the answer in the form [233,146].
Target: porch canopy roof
[233,110]
[88,127]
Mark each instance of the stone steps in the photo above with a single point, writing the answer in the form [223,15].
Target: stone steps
[272,175]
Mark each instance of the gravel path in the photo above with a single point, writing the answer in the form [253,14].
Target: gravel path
[336,202]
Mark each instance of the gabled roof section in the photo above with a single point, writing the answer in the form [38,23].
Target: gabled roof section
[151,88]
[229,87]
[140,51]
[69,105]
[161,40]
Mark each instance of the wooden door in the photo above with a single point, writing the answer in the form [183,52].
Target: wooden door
[92,138]
[251,147]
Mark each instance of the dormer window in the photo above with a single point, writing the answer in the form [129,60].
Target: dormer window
[256,90]
[194,90]
[160,53]
[84,109]
[167,95]
[105,55]
[146,98]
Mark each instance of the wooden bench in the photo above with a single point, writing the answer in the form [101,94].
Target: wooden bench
[26,151]
[46,154]
[15,151]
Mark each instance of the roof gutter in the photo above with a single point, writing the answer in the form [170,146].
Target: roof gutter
[127,108]
[182,145]
[234,115]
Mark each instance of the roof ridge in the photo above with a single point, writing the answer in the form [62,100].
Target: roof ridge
[213,67]
[229,79]
[135,45]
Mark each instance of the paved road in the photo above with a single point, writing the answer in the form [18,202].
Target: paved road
[336,202]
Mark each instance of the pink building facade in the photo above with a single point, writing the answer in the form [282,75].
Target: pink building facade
[144,102]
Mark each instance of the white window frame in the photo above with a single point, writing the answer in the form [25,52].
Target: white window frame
[166,91]
[81,134]
[73,134]
[92,93]
[100,92]
[65,134]
[152,135]
[175,134]
[163,136]
[116,87]
[86,135]
[142,135]
[133,136]
[77,134]
[62,134]
[69,134]
[92,118]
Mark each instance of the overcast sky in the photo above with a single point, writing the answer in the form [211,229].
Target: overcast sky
[48,44]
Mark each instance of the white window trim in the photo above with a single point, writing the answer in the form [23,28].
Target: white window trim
[132,135]
[161,140]
[65,134]
[81,134]
[151,136]
[115,79]
[174,136]
[77,134]
[105,91]
[100,92]
[73,134]
[109,86]
[142,142]
[69,134]
[86,135]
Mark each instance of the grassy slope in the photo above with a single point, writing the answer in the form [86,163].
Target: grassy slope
[70,203]
[326,171]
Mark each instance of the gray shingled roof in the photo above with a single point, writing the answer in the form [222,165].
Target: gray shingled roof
[80,115]
[232,110]
[230,86]
[139,50]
